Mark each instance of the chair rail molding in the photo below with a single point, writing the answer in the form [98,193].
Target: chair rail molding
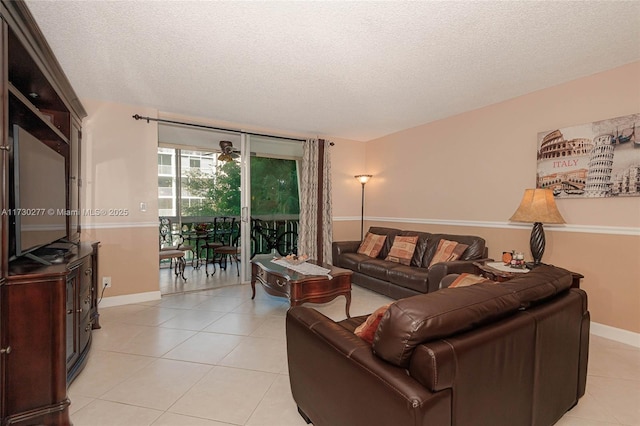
[115,225]
[589,229]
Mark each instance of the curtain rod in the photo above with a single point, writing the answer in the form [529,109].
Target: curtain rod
[203,126]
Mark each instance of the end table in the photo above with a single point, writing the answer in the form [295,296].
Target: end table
[490,271]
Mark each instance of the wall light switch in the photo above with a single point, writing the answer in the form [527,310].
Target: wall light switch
[143,206]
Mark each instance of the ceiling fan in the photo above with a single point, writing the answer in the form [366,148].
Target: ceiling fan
[229,153]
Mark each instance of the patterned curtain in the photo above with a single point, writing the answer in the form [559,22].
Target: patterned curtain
[315,232]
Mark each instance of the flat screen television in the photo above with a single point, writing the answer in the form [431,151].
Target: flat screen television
[38,196]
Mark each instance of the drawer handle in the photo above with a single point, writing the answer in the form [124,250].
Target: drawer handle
[79,311]
[6,351]
[88,271]
[69,311]
[281,283]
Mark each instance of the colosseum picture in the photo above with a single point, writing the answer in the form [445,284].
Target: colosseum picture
[599,159]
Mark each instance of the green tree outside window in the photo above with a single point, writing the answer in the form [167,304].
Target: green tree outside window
[274,189]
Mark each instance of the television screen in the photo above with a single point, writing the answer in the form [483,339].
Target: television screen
[39,193]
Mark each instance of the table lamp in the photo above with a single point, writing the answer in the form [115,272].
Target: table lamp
[537,206]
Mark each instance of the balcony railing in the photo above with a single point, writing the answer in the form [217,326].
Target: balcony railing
[276,234]
[165,169]
[165,191]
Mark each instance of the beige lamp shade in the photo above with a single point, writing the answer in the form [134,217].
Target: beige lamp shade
[537,205]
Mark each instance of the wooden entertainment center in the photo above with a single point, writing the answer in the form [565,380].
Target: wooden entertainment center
[47,307]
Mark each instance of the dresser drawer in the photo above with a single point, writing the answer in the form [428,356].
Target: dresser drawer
[273,282]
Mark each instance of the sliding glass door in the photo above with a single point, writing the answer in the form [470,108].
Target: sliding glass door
[251,180]
[271,206]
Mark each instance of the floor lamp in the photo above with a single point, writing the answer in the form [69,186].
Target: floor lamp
[537,206]
[363,179]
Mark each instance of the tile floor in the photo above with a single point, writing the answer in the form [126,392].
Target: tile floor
[215,357]
[197,279]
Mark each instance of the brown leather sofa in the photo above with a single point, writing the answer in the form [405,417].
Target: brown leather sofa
[398,281]
[506,354]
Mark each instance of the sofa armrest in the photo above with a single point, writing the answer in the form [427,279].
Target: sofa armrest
[329,365]
[339,247]
[438,271]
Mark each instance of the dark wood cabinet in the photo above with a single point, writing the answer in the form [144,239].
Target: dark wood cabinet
[35,381]
[81,312]
[75,182]
[47,312]
[47,317]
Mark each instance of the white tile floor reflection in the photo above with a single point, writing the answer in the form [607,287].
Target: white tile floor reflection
[216,357]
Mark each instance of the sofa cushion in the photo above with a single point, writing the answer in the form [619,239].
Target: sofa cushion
[367,329]
[410,277]
[390,233]
[421,246]
[376,268]
[402,250]
[352,260]
[372,244]
[448,251]
[538,285]
[465,280]
[476,249]
[418,319]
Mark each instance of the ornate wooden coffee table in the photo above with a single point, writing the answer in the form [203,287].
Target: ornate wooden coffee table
[298,288]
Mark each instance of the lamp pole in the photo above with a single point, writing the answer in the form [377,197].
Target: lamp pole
[363,179]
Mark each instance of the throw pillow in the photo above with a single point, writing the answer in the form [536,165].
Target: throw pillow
[465,280]
[448,251]
[372,244]
[402,249]
[367,329]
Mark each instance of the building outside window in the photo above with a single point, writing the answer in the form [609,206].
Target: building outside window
[166,182]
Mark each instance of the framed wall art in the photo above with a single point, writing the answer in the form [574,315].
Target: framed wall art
[599,159]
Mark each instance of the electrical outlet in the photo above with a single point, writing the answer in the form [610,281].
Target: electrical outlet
[106,281]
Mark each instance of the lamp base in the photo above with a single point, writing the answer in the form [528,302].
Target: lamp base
[537,243]
[532,265]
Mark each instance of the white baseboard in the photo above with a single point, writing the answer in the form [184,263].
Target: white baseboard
[128,299]
[617,334]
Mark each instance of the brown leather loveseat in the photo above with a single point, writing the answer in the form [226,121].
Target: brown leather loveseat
[396,280]
[506,354]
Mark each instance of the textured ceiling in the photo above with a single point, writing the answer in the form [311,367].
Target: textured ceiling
[358,70]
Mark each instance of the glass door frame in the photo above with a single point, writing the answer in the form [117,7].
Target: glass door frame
[245,208]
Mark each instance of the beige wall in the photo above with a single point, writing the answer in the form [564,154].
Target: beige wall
[119,171]
[490,154]
[471,170]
